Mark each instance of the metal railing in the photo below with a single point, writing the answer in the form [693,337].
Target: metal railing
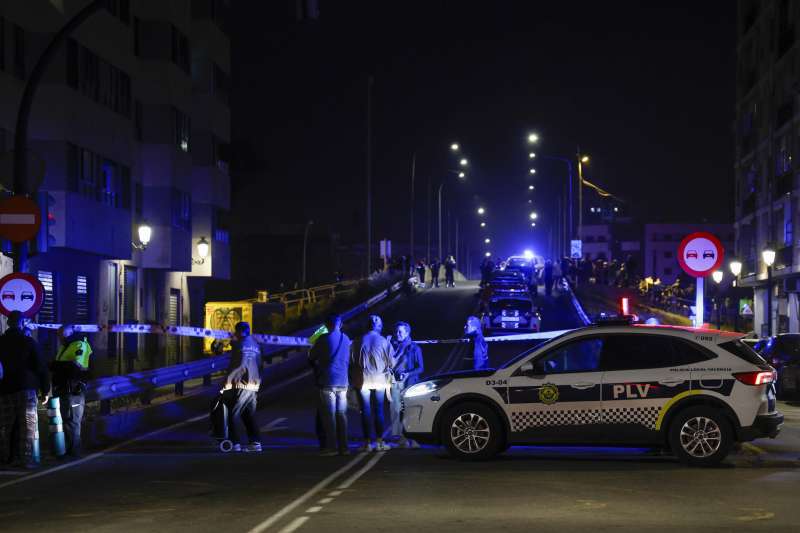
[295,301]
[143,383]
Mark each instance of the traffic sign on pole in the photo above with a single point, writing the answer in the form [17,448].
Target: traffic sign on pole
[700,254]
[21,292]
[20,219]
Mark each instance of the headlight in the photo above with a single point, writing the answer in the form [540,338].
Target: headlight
[426,387]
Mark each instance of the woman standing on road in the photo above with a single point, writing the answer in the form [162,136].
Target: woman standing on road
[480,353]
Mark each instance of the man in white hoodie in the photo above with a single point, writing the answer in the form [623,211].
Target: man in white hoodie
[371,376]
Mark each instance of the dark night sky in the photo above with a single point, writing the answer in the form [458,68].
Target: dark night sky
[647,90]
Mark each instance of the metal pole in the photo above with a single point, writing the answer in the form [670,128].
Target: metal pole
[571,200]
[440,220]
[428,249]
[305,248]
[769,301]
[413,175]
[369,175]
[449,242]
[456,257]
[699,311]
[580,197]
[24,111]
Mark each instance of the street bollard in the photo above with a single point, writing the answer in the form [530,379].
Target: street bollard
[56,428]
[36,455]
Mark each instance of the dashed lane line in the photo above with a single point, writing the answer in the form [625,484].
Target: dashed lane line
[295,524]
[364,469]
[121,445]
[310,493]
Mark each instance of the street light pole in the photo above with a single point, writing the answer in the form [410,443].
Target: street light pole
[580,196]
[369,174]
[769,300]
[305,248]
[441,186]
[413,176]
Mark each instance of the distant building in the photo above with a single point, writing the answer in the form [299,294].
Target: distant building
[132,123]
[661,243]
[767,132]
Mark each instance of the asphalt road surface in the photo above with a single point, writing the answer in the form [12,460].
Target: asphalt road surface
[174,480]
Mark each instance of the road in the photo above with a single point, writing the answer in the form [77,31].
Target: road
[174,480]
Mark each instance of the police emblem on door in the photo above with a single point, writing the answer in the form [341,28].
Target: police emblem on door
[548,394]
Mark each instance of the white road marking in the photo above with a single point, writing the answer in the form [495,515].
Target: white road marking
[310,493]
[325,501]
[335,493]
[115,447]
[296,523]
[273,425]
[315,509]
[366,468]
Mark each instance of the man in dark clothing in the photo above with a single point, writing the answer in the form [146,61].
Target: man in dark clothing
[24,372]
[330,358]
[436,267]
[449,271]
[407,369]
[421,272]
[70,374]
[548,278]
[241,387]
[480,348]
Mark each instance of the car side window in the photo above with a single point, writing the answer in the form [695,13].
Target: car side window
[637,351]
[582,355]
[687,353]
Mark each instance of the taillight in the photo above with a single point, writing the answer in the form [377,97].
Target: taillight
[759,377]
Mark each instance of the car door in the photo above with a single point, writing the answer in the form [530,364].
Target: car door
[555,397]
[638,381]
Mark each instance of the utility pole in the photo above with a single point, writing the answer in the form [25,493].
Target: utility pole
[440,220]
[305,249]
[428,249]
[456,257]
[413,173]
[580,195]
[369,174]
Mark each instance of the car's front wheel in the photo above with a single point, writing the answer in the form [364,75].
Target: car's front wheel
[472,432]
[700,436]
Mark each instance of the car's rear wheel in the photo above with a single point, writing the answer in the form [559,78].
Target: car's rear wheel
[700,436]
[472,432]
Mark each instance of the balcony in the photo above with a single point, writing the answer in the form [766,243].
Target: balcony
[784,257]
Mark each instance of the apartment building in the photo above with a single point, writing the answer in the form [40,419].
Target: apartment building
[767,138]
[132,126]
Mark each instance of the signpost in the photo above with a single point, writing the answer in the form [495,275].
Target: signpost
[576,249]
[21,292]
[20,219]
[700,254]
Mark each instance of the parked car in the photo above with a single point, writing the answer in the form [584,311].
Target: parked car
[511,313]
[783,353]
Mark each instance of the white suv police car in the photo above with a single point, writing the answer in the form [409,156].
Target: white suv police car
[692,391]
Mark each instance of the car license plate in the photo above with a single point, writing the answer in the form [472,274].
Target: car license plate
[509,319]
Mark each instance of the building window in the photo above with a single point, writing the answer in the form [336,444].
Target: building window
[48,313]
[181,210]
[788,232]
[783,157]
[220,227]
[19,52]
[180,50]
[183,130]
[98,79]
[98,178]
[81,300]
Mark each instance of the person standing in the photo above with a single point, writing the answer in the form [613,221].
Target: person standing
[421,272]
[371,371]
[407,369]
[241,388]
[480,348]
[330,358]
[70,372]
[449,271]
[24,372]
[548,278]
[436,267]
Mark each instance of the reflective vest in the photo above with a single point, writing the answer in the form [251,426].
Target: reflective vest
[77,352]
[322,330]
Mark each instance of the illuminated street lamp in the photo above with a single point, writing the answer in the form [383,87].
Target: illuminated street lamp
[534,215]
[462,175]
[533,224]
[530,187]
[585,159]
[481,210]
[768,255]
[454,147]
[487,240]
[532,171]
[531,155]
[203,248]
[717,276]
[736,267]
[483,224]
[463,162]
[488,254]
[145,232]
[533,138]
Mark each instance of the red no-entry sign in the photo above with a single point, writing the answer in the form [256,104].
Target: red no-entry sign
[20,219]
[21,292]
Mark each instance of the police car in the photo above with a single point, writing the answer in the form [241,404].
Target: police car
[692,391]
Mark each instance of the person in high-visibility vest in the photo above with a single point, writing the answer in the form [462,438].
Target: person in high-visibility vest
[70,372]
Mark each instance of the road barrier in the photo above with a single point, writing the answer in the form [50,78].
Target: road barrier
[142,383]
[541,335]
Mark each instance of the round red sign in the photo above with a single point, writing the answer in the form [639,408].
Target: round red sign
[21,292]
[700,254]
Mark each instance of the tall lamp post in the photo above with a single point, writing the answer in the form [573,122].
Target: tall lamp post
[768,255]
[717,277]
[582,160]
[736,269]
[305,250]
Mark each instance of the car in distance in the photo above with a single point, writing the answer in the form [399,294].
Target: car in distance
[513,312]
[694,392]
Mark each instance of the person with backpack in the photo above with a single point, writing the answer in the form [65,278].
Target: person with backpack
[242,383]
[330,359]
[449,271]
[70,371]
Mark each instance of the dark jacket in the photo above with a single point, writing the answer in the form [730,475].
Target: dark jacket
[23,365]
[330,359]
[480,351]
[244,371]
[408,361]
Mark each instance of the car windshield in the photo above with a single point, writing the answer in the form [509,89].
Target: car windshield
[532,349]
[788,345]
[512,303]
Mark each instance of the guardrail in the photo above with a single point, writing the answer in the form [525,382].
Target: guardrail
[141,383]
[295,300]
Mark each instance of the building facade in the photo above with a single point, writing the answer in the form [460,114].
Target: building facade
[767,137]
[130,127]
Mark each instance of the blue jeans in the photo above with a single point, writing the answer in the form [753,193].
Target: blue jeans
[333,411]
[372,399]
